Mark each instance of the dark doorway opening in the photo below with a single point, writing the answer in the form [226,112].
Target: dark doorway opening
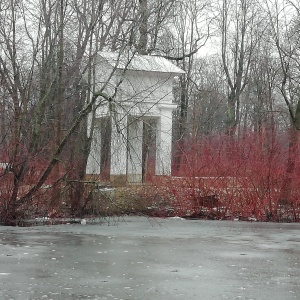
[149,148]
[105,129]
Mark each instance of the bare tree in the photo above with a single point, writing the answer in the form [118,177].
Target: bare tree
[43,59]
[191,29]
[284,19]
[207,109]
[240,31]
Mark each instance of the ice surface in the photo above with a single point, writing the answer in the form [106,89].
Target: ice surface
[140,258]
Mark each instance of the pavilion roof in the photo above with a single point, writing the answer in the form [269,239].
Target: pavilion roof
[140,63]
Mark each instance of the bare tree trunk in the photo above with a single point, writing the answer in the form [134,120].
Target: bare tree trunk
[143,27]
[59,101]
[236,55]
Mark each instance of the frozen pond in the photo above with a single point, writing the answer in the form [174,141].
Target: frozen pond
[140,258]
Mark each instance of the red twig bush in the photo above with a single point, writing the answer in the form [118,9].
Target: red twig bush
[243,179]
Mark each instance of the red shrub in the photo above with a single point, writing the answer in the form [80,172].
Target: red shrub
[246,176]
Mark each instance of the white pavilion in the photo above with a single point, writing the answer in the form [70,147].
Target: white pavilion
[132,136]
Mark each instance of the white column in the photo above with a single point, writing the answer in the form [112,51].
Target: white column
[164,140]
[135,148]
[119,145]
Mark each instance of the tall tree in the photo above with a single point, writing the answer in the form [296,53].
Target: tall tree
[284,19]
[239,25]
[191,29]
